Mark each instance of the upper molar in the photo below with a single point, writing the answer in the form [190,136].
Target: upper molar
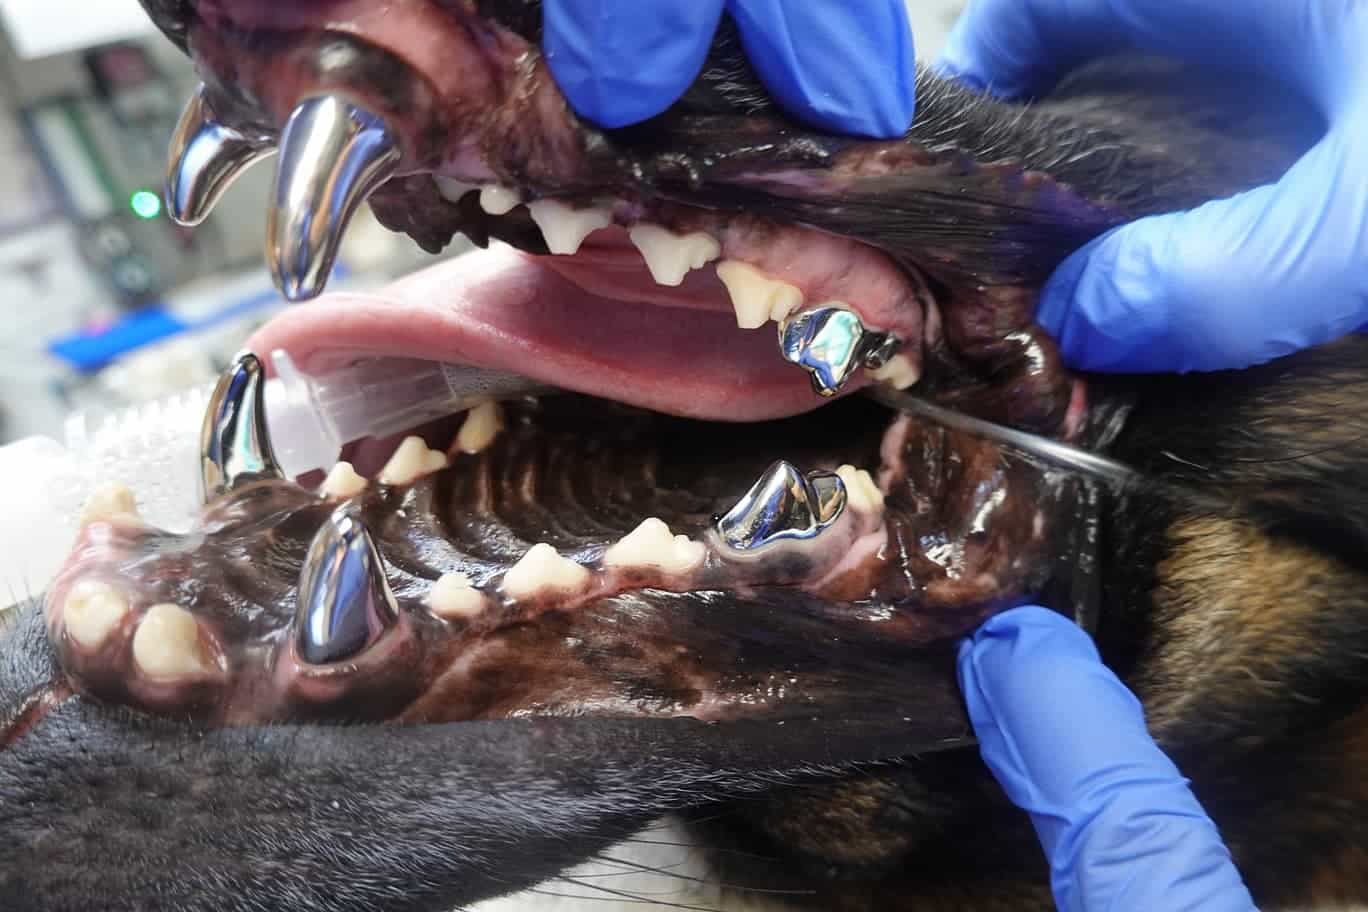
[756,297]
[900,372]
[451,189]
[670,256]
[565,228]
[411,461]
[482,424]
[342,482]
[498,200]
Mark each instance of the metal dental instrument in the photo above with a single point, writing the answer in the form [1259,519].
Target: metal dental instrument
[1063,455]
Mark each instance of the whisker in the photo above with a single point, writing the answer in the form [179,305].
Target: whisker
[701,880]
[638,898]
[690,845]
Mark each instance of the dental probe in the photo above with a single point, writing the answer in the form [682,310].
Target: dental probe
[311,417]
[1063,455]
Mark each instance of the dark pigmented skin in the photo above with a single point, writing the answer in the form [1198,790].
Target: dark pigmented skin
[1239,625]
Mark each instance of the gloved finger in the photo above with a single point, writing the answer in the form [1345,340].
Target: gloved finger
[848,67]
[1015,47]
[1068,743]
[619,62]
[1233,283]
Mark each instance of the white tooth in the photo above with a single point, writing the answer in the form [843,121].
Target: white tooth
[670,256]
[411,461]
[482,424]
[755,296]
[565,228]
[453,597]
[861,492]
[92,609]
[651,545]
[542,568]
[899,371]
[451,189]
[167,643]
[498,200]
[111,501]
[342,482]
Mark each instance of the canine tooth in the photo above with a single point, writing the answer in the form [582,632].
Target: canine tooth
[670,256]
[498,200]
[451,189]
[167,644]
[344,600]
[411,461]
[543,568]
[783,505]
[110,501]
[829,342]
[651,544]
[899,371]
[92,609]
[235,442]
[333,154]
[861,490]
[564,228]
[482,424]
[343,482]
[205,159]
[755,296]
[453,597]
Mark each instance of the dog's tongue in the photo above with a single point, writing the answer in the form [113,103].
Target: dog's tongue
[504,310]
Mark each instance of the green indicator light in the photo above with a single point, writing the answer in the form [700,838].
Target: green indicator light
[145,204]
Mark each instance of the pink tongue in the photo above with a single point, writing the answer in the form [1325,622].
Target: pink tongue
[504,310]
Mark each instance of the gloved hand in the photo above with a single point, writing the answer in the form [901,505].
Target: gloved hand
[1235,282]
[843,67]
[1068,743]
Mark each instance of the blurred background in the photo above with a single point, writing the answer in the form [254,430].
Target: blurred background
[104,301]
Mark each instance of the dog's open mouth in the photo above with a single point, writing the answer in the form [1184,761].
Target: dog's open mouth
[697,519]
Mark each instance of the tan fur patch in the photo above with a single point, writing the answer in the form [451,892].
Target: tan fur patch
[1235,610]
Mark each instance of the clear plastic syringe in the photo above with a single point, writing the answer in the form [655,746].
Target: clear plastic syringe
[311,417]
[153,448]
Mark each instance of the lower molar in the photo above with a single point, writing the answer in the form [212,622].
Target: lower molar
[453,597]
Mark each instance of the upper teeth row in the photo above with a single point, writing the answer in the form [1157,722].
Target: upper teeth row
[756,298]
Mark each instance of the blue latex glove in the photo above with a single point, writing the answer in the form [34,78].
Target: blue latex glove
[1068,743]
[843,67]
[1236,282]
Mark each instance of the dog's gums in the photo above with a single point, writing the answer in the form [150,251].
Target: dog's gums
[698,568]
